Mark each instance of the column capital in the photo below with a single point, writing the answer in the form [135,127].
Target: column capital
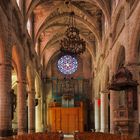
[106,91]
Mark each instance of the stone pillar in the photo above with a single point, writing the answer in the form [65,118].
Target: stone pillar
[104,112]
[38,116]
[31,111]
[21,107]
[5,104]
[113,106]
[97,116]
[5,72]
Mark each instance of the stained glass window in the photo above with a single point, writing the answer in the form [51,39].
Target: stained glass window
[67,64]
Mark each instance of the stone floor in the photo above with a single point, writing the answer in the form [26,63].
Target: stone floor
[68,137]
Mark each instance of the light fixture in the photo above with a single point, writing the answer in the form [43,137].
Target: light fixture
[72,43]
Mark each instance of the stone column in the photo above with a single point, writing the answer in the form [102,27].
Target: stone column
[5,72]
[104,112]
[5,104]
[38,116]
[31,111]
[113,106]
[21,107]
[97,116]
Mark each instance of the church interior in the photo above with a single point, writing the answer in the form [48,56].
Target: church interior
[69,68]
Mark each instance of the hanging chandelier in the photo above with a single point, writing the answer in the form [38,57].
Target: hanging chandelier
[72,43]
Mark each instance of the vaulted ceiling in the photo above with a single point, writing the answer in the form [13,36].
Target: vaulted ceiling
[51,20]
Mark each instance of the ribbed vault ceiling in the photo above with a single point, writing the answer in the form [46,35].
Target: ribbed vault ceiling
[51,19]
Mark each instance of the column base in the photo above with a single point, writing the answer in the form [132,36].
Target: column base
[22,131]
[39,130]
[6,133]
[104,130]
[31,130]
[97,130]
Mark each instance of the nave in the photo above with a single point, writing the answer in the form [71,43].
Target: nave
[70,66]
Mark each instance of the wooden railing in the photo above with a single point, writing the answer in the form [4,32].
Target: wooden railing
[101,136]
[36,136]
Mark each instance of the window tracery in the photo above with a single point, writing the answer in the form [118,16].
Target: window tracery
[67,64]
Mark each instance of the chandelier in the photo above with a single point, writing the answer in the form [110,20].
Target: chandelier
[72,43]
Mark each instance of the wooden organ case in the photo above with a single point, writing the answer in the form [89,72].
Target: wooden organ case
[67,120]
[66,112]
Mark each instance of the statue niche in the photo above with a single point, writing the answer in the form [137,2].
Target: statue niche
[123,82]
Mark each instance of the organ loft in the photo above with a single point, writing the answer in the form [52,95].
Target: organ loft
[69,69]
